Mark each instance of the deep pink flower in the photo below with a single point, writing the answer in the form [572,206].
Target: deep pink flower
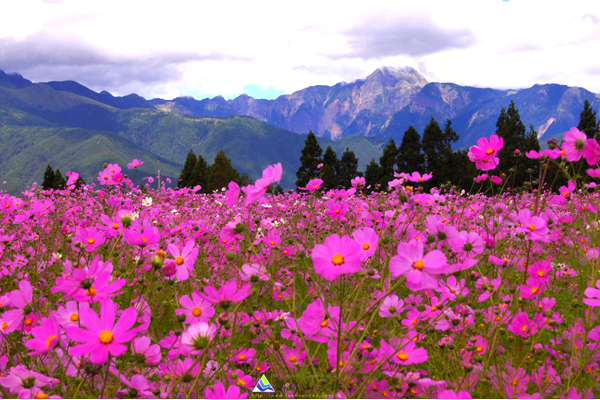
[522,326]
[535,227]
[451,394]
[337,256]
[405,351]
[418,269]
[150,352]
[135,163]
[367,239]
[227,294]
[45,337]
[196,309]
[232,194]
[103,336]
[26,383]
[314,185]
[197,337]
[574,144]
[358,183]
[142,234]
[592,295]
[219,392]
[89,238]
[484,155]
[184,259]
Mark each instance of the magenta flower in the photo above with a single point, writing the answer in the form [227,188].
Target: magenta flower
[337,256]
[418,269]
[227,294]
[103,336]
[150,353]
[484,155]
[253,272]
[197,337]
[533,288]
[367,239]
[184,259]
[451,394]
[592,295]
[591,151]
[135,163]
[404,351]
[337,210]
[535,227]
[89,239]
[219,392]
[314,185]
[196,309]
[232,194]
[522,326]
[26,383]
[272,174]
[142,234]
[574,144]
[358,183]
[21,300]
[391,307]
[45,337]
[416,177]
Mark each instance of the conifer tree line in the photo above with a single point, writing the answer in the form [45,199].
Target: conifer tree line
[55,180]
[196,171]
[432,152]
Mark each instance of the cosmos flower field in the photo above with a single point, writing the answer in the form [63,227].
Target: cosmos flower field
[119,291]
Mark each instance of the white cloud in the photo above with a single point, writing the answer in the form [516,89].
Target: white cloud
[210,48]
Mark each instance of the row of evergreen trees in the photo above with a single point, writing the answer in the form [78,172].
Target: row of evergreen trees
[432,152]
[196,171]
[52,179]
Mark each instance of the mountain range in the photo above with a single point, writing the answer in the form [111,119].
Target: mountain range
[72,127]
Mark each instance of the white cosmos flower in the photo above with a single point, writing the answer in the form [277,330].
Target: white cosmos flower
[147,202]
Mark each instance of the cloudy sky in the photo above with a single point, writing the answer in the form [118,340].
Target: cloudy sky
[202,49]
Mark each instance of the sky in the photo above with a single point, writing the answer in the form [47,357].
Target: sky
[269,48]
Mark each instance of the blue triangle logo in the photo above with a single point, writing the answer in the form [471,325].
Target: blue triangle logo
[263,386]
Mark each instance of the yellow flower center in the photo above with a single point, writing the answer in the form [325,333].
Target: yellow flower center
[541,274]
[4,326]
[196,312]
[324,323]
[524,328]
[293,358]
[91,291]
[366,246]
[402,356]
[418,265]
[515,382]
[91,241]
[106,337]
[74,317]
[479,349]
[242,357]
[41,395]
[489,151]
[179,260]
[241,382]
[562,152]
[28,321]
[337,259]
[531,227]
[115,226]
[50,339]
[433,308]
[534,290]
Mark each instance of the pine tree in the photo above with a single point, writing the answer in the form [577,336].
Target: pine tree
[387,163]
[310,158]
[186,172]
[199,174]
[48,178]
[347,168]
[587,120]
[510,127]
[433,137]
[221,173]
[327,173]
[410,155]
[372,174]
[59,181]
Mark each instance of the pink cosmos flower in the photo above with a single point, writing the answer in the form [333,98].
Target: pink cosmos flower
[522,326]
[591,151]
[480,178]
[337,210]
[496,180]
[418,269]
[142,234]
[71,179]
[45,337]
[89,238]
[219,392]
[319,323]
[69,314]
[314,185]
[405,351]
[26,383]
[184,259]
[135,163]
[272,174]
[21,300]
[484,154]
[196,309]
[197,337]
[139,384]
[574,144]
[254,272]
[592,295]
[533,287]
[232,194]
[337,256]
[391,307]
[451,394]
[103,336]
[594,173]
[358,183]
[416,177]
[227,294]
[535,227]
[367,239]
[149,352]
